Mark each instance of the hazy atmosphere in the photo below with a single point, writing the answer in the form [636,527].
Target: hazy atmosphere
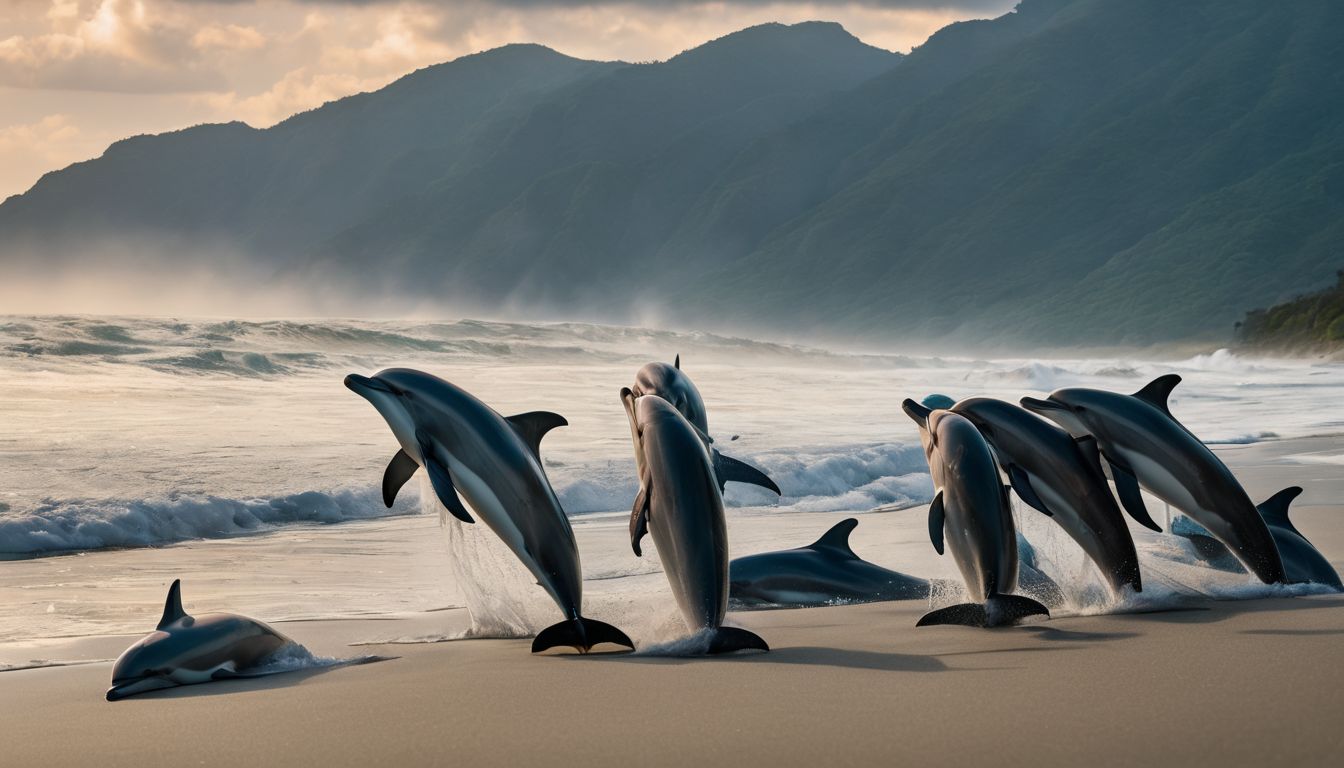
[76,75]
[616,382]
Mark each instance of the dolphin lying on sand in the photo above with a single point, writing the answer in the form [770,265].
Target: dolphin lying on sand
[1301,561]
[495,464]
[680,504]
[1145,444]
[1063,478]
[970,512]
[185,650]
[825,572]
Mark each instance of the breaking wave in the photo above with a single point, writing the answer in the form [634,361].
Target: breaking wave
[83,524]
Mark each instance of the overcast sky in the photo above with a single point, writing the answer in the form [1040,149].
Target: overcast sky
[76,75]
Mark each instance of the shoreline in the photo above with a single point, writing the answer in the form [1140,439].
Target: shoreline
[847,685]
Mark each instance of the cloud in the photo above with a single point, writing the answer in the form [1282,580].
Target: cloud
[28,150]
[112,45]
[230,36]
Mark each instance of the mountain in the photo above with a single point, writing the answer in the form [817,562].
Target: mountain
[1076,171]
[1311,322]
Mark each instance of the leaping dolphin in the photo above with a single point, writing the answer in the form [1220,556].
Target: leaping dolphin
[669,383]
[185,650]
[1302,562]
[680,504]
[495,464]
[672,384]
[1145,444]
[825,572]
[1062,478]
[970,512]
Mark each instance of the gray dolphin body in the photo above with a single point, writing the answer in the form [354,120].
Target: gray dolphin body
[680,504]
[495,464]
[970,513]
[185,650]
[1063,478]
[825,572]
[671,384]
[1302,562]
[1145,444]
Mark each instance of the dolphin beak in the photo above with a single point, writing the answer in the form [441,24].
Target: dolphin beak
[1042,406]
[363,385]
[120,691]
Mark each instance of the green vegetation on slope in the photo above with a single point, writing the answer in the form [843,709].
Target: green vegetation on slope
[1315,320]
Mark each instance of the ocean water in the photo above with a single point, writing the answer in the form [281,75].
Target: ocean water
[136,433]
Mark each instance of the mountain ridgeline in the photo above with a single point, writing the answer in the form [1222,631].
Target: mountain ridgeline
[1074,172]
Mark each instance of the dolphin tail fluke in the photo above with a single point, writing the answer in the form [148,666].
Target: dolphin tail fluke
[580,634]
[1002,610]
[730,639]
[998,611]
[965,614]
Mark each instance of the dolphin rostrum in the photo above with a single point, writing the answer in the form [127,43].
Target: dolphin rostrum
[826,572]
[680,504]
[673,385]
[1302,562]
[970,512]
[185,650]
[495,464]
[1063,478]
[1145,444]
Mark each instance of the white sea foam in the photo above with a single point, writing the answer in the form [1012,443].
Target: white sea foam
[80,524]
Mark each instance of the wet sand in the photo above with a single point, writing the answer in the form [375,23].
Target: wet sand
[1222,683]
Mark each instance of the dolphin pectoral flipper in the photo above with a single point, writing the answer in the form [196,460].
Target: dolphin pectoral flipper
[172,606]
[1022,484]
[398,471]
[1131,497]
[937,518]
[580,634]
[639,519]
[533,425]
[1274,510]
[728,469]
[445,490]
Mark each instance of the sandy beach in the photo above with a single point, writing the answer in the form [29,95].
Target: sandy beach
[1245,682]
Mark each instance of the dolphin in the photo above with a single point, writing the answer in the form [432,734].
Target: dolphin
[680,504]
[825,572]
[1302,562]
[495,464]
[669,383]
[674,386]
[185,650]
[1145,444]
[970,512]
[1063,478]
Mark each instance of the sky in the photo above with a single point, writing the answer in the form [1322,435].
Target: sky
[76,75]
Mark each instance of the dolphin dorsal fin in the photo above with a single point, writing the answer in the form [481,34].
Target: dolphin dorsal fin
[1274,510]
[172,607]
[533,425]
[1158,390]
[837,538]
[677,362]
